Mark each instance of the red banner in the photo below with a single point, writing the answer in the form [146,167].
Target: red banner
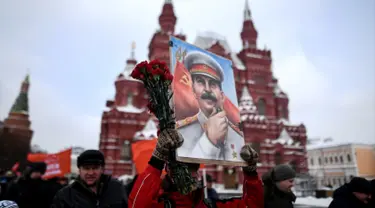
[57,164]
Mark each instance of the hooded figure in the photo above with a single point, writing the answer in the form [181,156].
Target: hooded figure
[30,190]
[277,187]
[356,194]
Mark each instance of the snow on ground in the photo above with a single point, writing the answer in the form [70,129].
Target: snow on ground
[312,201]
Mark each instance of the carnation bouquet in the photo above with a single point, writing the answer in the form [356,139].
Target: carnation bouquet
[157,80]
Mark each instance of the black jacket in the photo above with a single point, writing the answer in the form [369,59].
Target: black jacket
[111,194]
[30,193]
[273,197]
[344,198]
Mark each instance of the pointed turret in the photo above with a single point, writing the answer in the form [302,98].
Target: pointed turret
[249,35]
[167,18]
[130,64]
[246,105]
[148,132]
[21,105]
[247,12]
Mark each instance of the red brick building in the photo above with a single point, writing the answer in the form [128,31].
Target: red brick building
[15,132]
[263,105]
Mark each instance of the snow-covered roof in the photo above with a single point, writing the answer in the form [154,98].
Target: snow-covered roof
[128,109]
[149,132]
[246,104]
[127,71]
[283,121]
[324,143]
[205,40]
[284,138]
[278,92]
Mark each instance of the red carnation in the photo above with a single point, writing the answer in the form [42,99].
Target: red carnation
[136,74]
[149,106]
[168,76]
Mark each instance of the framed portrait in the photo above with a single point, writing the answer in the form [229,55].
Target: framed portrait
[206,106]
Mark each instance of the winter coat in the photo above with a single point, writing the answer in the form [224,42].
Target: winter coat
[147,193]
[344,198]
[30,193]
[274,198]
[212,194]
[111,194]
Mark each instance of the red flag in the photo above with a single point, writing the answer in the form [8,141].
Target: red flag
[57,164]
[142,152]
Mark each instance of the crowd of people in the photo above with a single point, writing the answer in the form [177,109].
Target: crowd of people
[93,188]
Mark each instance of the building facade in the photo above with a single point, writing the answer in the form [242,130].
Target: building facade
[334,164]
[16,134]
[263,105]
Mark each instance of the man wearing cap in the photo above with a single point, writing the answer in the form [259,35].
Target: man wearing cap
[92,188]
[356,193]
[208,134]
[278,183]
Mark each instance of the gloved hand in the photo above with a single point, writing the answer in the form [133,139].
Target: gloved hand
[169,140]
[251,157]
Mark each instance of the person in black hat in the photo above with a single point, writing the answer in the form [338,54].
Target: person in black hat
[211,192]
[356,193]
[278,183]
[30,190]
[92,188]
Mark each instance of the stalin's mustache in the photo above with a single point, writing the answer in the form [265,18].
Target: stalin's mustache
[209,96]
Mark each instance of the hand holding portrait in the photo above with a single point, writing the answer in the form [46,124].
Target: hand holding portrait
[217,127]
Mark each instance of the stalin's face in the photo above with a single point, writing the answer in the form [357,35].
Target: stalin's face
[208,93]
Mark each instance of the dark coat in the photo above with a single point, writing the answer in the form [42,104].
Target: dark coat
[344,198]
[30,193]
[111,194]
[274,198]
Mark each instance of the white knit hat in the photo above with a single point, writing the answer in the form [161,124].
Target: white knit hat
[8,204]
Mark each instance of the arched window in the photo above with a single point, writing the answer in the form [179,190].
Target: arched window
[349,158]
[126,151]
[320,161]
[261,105]
[278,158]
[341,159]
[130,98]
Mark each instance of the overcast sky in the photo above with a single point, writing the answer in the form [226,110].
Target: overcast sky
[323,54]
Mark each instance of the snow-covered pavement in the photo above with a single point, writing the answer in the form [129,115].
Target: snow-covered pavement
[313,202]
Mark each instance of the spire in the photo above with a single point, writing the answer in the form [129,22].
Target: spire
[167,18]
[249,35]
[21,105]
[132,54]
[247,12]
[246,104]
[130,63]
